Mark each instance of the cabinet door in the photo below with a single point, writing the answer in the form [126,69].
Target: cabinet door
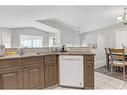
[50,76]
[11,78]
[33,77]
[89,72]
[51,71]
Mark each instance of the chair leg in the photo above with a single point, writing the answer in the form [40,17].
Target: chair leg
[111,68]
[124,72]
[117,70]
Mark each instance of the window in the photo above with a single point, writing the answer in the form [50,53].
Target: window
[51,41]
[31,41]
[6,39]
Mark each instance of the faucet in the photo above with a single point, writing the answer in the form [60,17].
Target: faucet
[21,51]
[63,48]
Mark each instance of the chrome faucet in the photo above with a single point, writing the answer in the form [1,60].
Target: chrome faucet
[63,48]
[21,51]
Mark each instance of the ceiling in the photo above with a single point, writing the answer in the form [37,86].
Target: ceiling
[88,18]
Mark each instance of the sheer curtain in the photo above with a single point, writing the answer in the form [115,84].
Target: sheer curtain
[6,39]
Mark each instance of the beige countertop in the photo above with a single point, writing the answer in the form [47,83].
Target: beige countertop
[46,53]
[75,53]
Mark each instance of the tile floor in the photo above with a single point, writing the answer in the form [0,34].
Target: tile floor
[108,83]
[103,82]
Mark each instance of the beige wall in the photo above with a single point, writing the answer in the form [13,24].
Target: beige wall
[105,37]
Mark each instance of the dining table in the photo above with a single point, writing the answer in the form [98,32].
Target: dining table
[108,59]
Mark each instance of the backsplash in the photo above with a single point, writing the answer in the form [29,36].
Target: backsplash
[11,50]
[46,49]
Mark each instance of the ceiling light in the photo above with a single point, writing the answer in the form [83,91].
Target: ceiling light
[123,19]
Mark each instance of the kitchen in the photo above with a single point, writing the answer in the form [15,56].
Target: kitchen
[46,47]
[39,54]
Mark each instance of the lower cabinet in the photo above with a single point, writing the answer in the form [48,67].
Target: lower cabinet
[33,77]
[39,72]
[29,74]
[89,72]
[51,70]
[33,72]
[50,76]
[11,78]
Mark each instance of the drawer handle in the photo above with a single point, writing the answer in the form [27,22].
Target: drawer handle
[88,59]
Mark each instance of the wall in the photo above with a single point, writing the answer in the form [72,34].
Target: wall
[105,37]
[121,38]
[58,38]
[69,37]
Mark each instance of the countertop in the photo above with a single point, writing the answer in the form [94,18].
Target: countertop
[46,53]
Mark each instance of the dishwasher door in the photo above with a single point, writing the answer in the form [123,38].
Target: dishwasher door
[71,71]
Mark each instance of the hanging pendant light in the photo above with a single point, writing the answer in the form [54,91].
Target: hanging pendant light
[123,19]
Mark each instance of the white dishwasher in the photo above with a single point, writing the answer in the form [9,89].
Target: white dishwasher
[71,71]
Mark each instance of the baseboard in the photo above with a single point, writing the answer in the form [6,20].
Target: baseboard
[99,63]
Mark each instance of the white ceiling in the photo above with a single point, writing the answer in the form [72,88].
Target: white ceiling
[87,17]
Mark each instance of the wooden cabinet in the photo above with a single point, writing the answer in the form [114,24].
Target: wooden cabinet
[11,74]
[89,72]
[38,72]
[51,70]
[11,78]
[33,71]
[33,77]
[34,60]
[8,63]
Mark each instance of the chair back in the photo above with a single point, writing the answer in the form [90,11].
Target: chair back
[106,50]
[117,54]
[107,53]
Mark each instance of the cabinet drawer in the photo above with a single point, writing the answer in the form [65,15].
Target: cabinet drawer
[10,63]
[50,62]
[32,60]
[50,59]
[88,59]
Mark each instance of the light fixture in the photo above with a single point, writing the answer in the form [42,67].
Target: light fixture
[123,19]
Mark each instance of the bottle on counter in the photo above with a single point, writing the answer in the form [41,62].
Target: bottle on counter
[2,49]
[54,47]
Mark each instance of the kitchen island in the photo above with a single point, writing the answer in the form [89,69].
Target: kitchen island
[41,70]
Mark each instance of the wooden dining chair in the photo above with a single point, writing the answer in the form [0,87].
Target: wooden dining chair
[108,58]
[118,59]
